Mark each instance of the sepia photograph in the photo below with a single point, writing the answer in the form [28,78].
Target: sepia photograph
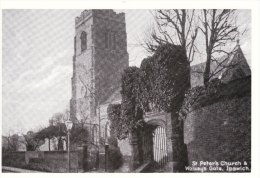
[126,90]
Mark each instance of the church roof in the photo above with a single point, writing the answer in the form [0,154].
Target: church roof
[229,67]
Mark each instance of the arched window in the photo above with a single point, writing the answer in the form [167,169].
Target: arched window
[83,38]
[106,39]
[113,40]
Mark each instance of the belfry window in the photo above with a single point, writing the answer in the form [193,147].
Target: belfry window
[83,38]
[110,39]
[113,40]
[106,39]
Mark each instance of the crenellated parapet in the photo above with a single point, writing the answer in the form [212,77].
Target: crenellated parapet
[83,16]
[105,14]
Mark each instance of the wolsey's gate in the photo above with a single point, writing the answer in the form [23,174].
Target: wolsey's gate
[156,142]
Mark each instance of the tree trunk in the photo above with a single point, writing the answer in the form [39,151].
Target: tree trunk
[189,78]
[178,146]
[206,74]
[49,144]
[60,144]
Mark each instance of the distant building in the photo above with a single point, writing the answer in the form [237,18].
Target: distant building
[53,145]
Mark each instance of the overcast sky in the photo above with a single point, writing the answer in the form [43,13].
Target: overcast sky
[37,61]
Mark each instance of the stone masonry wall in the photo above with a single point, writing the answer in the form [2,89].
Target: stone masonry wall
[99,67]
[111,60]
[47,161]
[220,132]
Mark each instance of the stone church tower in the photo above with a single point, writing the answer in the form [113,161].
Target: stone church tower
[100,56]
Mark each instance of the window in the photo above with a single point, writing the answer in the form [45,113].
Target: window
[113,36]
[106,39]
[83,38]
[110,40]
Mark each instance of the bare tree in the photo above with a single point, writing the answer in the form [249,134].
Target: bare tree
[81,130]
[89,93]
[174,26]
[83,105]
[58,120]
[31,141]
[66,115]
[181,27]
[12,142]
[85,121]
[219,28]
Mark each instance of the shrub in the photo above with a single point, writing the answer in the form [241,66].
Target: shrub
[115,158]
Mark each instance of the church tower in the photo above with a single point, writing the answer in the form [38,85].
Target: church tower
[100,56]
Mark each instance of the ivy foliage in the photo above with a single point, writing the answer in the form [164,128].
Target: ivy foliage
[195,95]
[159,85]
[165,78]
[117,128]
[131,111]
[215,91]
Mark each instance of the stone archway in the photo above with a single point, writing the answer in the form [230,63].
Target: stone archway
[156,141]
[142,144]
[156,122]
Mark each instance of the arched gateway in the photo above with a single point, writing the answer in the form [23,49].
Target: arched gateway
[156,141]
